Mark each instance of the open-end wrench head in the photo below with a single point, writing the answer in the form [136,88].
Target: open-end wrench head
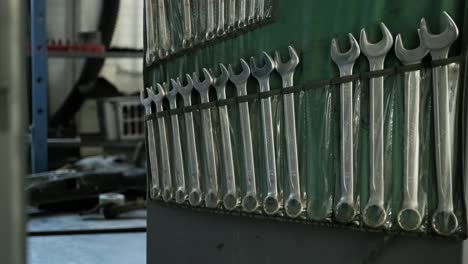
[378,49]
[290,65]
[347,57]
[242,76]
[172,93]
[184,90]
[221,80]
[410,56]
[205,85]
[266,69]
[441,40]
[145,100]
[156,97]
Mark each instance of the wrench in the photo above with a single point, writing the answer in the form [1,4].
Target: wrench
[220,29]
[409,217]
[211,197]
[153,159]
[188,36]
[150,43]
[345,210]
[374,212]
[230,200]
[250,202]
[210,23]
[164,46]
[180,194]
[271,202]
[251,17]
[232,15]
[195,195]
[241,19]
[444,220]
[294,203]
[166,167]
[261,9]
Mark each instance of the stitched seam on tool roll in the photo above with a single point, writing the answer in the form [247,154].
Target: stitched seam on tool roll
[312,85]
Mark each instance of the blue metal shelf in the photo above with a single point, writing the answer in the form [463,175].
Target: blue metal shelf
[39,87]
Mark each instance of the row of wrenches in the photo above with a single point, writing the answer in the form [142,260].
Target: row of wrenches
[444,220]
[202,20]
[231,199]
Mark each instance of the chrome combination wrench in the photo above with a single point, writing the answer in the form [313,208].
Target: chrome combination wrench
[444,220]
[212,193]
[345,210]
[250,200]
[155,190]
[180,193]
[271,202]
[374,212]
[165,163]
[409,217]
[195,194]
[230,199]
[294,203]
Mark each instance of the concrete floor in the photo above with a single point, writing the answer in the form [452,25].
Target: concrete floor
[125,248]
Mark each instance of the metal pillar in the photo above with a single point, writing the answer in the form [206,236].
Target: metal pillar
[39,86]
[12,130]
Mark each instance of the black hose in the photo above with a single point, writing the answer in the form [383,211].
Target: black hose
[87,81]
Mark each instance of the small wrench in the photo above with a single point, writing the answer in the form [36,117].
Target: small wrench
[271,202]
[211,197]
[250,202]
[220,29]
[188,36]
[345,210]
[153,158]
[409,217]
[230,200]
[180,194]
[164,46]
[444,220]
[231,15]
[374,212]
[165,165]
[261,9]
[210,20]
[150,42]
[252,7]
[195,195]
[294,203]
[242,19]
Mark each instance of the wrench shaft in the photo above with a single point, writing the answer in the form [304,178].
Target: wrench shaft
[227,149]
[269,146]
[209,150]
[377,140]
[347,146]
[192,153]
[249,170]
[152,155]
[178,158]
[411,164]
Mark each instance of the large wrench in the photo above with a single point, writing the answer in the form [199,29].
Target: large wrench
[271,201]
[249,202]
[409,217]
[294,203]
[155,190]
[165,163]
[180,193]
[230,199]
[374,212]
[211,197]
[444,220]
[188,36]
[345,210]
[195,195]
